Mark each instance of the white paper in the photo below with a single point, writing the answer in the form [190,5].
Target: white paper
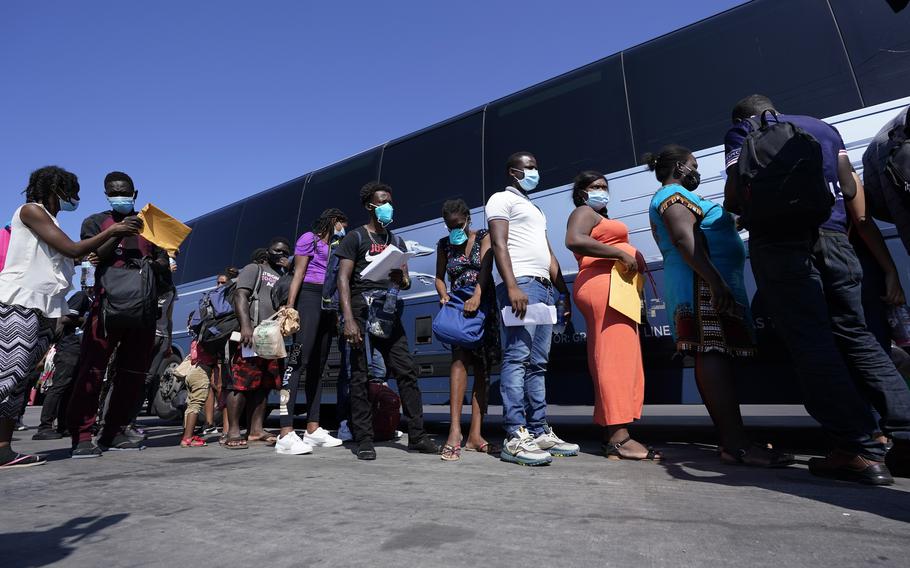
[245,352]
[392,258]
[539,313]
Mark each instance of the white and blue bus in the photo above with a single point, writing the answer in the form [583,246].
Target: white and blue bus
[846,61]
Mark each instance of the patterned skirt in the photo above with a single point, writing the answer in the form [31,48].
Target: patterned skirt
[26,336]
[700,329]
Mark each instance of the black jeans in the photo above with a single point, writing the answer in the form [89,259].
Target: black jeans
[58,395]
[399,364]
[316,329]
[874,372]
[793,290]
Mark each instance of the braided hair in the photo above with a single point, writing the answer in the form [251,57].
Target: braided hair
[324,225]
[50,180]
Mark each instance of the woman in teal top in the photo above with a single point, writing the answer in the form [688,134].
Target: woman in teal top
[705,295]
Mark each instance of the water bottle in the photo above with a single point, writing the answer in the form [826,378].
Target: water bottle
[899,320]
[560,326]
[390,306]
[88,274]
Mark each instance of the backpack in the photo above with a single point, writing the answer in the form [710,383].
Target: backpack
[214,320]
[130,299]
[783,180]
[897,166]
[386,407]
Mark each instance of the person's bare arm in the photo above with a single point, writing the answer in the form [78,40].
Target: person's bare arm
[440,283]
[242,308]
[681,226]
[300,265]
[560,283]
[36,218]
[731,191]
[869,232]
[483,277]
[499,233]
[351,329]
[580,241]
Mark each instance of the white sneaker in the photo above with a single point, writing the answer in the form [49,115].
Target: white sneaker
[344,433]
[321,438]
[523,450]
[292,445]
[550,442]
[397,435]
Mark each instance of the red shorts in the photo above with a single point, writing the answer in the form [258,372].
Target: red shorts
[253,373]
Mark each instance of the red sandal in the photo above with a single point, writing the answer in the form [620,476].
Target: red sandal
[194,442]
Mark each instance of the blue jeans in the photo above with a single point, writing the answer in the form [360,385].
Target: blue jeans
[525,353]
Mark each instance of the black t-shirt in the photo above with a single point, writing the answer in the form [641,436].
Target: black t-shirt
[130,248]
[79,306]
[360,246]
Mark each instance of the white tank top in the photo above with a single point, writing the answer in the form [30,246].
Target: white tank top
[36,275]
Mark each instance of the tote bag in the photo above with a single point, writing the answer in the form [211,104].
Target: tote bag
[452,327]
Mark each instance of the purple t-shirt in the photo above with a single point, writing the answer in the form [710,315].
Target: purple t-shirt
[312,246]
[832,147]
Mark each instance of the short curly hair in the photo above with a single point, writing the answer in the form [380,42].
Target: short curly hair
[454,207]
[119,176]
[371,188]
[51,180]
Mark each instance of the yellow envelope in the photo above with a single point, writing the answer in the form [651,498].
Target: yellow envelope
[626,292]
[162,229]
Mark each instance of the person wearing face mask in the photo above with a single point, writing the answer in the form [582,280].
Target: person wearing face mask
[356,251]
[134,346]
[614,350]
[251,378]
[466,257]
[311,343]
[811,284]
[529,274]
[34,283]
[705,293]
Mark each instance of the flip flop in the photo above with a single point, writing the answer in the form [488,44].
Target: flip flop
[485,448]
[237,443]
[269,439]
[450,453]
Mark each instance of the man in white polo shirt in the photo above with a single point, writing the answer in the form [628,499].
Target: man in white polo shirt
[529,274]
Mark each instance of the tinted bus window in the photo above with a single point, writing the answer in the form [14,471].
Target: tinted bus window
[213,243]
[184,254]
[443,163]
[270,214]
[878,41]
[572,123]
[683,86]
[339,186]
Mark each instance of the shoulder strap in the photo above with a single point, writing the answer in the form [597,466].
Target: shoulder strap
[254,300]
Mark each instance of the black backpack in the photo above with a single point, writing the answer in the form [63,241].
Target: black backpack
[897,166]
[782,178]
[130,298]
[214,320]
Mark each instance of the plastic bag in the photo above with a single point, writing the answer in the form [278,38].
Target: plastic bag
[288,320]
[268,342]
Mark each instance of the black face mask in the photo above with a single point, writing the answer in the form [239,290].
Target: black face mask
[275,258]
[691,181]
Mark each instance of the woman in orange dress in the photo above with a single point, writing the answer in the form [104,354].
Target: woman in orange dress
[614,350]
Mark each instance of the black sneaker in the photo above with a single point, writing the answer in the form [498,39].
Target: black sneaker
[47,435]
[851,467]
[14,460]
[120,443]
[366,451]
[85,450]
[424,445]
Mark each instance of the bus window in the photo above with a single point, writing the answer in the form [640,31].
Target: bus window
[212,244]
[878,41]
[184,253]
[789,51]
[445,162]
[339,186]
[270,214]
[572,123]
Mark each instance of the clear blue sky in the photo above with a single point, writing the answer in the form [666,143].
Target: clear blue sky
[204,102]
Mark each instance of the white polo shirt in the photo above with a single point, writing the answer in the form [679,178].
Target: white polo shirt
[527,232]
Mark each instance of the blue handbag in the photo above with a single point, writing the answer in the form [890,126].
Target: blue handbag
[452,327]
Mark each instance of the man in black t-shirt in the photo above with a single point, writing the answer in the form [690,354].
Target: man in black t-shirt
[356,252]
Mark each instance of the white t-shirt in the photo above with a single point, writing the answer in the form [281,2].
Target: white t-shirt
[527,232]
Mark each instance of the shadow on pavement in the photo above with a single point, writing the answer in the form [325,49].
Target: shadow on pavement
[42,547]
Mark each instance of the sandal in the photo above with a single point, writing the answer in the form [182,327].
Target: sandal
[485,448]
[193,442]
[267,438]
[237,443]
[745,456]
[611,452]
[450,453]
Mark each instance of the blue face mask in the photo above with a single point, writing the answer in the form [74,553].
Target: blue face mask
[458,236]
[121,204]
[69,205]
[340,232]
[530,181]
[598,199]
[384,213]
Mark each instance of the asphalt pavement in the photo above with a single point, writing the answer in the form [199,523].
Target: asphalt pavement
[198,507]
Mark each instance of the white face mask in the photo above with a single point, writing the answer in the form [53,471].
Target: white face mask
[598,199]
[530,181]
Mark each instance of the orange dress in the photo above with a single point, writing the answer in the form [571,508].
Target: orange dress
[614,350]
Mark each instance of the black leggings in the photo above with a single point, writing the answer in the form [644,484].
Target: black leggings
[316,330]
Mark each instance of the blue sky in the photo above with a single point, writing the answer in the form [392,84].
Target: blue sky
[205,102]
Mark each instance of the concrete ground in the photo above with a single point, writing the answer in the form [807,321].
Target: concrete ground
[166,506]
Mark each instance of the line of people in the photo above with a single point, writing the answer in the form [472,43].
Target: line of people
[808,274]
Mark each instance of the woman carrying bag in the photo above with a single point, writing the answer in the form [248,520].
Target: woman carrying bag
[465,256]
